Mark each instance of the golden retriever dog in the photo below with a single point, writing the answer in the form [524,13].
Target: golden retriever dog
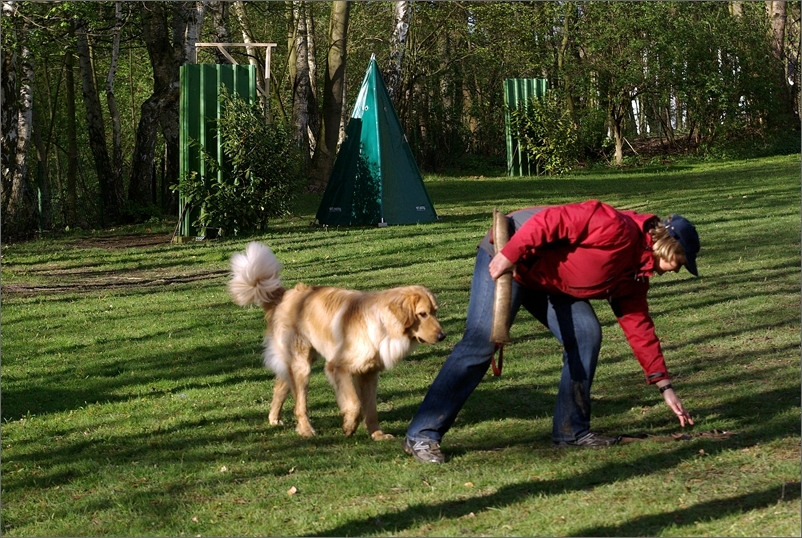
[359,334]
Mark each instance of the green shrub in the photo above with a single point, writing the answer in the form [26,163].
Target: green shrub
[260,172]
[592,136]
[546,133]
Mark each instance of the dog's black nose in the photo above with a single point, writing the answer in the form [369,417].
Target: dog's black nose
[441,336]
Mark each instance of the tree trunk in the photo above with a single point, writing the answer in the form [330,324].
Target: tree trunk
[301,90]
[111,199]
[140,188]
[776,10]
[326,150]
[70,196]
[562,51]
[167,53]
[187,22]
[219,12]
[47,144]
[798,75]
[111,101]
[159,46]
[401,17]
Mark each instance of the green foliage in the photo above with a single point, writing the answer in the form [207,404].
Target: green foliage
[258,179]
[546,132]
[592,134]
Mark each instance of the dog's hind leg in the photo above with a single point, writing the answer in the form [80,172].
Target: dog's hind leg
[347,397]
[280,391]
[366,385]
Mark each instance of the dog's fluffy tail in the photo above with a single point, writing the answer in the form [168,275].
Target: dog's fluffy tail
[255,277]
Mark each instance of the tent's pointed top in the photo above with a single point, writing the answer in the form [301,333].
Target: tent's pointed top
[372,56]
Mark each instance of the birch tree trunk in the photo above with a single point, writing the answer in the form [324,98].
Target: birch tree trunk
[312,107]
[326,151]
[292,32]
[111,197]
[310,47]
[247,37]
[20,216]
[193,25]
[398,43]
[9,114]
[43,198]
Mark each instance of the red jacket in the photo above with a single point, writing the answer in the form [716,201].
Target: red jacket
[591,250]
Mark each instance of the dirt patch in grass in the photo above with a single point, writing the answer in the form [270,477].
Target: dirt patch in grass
[87,276]
[111,281]
[113,242]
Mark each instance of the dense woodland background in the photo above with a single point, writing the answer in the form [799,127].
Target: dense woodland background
[90,90]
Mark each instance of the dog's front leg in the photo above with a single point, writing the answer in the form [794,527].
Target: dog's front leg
[366,386]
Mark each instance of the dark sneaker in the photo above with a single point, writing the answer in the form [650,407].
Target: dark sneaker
[424,451]
[589,440]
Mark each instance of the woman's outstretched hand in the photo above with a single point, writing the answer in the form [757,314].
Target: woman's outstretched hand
[673,401]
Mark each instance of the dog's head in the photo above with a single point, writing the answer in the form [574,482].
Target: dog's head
[416,308]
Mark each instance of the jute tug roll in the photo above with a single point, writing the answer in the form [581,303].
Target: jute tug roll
[500,333]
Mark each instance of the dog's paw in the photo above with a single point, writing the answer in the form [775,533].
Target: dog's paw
[275,421]
[305,432]
[350,425]
[379,435]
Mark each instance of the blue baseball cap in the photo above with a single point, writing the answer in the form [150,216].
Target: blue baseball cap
[684,232]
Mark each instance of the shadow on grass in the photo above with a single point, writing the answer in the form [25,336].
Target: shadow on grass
[419,514]
[653,525]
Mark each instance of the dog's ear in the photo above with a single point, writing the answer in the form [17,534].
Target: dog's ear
[432,299]
[403,307]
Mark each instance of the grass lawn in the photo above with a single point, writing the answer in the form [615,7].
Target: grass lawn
[134,401]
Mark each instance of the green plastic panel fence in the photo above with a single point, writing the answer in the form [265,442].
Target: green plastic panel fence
[199,111]
[520,90]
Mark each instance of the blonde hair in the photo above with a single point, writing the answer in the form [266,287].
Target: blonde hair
[665,246]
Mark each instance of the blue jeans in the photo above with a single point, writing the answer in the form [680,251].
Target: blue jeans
[572,321]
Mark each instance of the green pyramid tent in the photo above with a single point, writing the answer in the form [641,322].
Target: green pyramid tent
[375,180]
